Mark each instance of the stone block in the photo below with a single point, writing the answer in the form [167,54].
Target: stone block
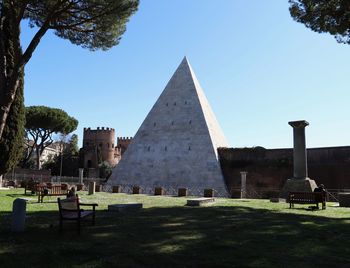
[159,191]
[278,200]
[92,185]
[208,192]
[18,215]
[116,189]
[98,188]
[182,192]
[125,207]
[344,199]
[136,190]
[297,185]
[80,187]
[196,202]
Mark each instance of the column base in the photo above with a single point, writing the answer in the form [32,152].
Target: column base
[297,185]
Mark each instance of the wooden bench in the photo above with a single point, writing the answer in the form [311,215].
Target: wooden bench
[307,198]
[54,190]
[70,210]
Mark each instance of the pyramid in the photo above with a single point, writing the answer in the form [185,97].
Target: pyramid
[176,145]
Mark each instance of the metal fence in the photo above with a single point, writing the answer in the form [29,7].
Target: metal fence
[171,190]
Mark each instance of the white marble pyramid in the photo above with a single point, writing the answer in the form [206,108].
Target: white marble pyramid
[176,145]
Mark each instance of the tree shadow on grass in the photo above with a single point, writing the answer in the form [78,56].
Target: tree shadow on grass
[230,236]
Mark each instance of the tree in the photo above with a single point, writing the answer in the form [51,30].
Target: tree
[41,123]
[11,146]
[70,158]
[92,24]
[332,16]
[105,169]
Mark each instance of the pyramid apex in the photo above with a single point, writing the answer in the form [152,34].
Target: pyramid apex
[185,61]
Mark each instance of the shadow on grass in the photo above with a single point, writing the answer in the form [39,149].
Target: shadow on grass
[179,237]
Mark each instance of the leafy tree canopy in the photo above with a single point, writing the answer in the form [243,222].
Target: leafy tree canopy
[332,16]
[51,119]
[93,24]
[41,123]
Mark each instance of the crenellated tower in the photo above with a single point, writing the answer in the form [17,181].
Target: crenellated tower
[98,146]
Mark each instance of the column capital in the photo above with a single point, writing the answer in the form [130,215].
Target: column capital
[298,124]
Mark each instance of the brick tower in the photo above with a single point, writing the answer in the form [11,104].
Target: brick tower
[98,145]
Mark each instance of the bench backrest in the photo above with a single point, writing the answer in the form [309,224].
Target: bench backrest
[307,196]
[57,189]
[68,204]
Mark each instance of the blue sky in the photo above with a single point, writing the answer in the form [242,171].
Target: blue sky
[258,68]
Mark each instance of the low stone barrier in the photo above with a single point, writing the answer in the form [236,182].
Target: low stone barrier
[125,207]
[197,202]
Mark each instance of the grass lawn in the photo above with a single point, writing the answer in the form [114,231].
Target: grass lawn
[166,233]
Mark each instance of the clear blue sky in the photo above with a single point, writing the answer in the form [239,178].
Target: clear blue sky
[258,68]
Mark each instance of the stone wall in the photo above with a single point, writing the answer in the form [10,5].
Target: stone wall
[270,168]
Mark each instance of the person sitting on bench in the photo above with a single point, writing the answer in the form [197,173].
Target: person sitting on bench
[320,189]
[71,193]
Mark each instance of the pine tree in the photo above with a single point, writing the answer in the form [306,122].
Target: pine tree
[11,146]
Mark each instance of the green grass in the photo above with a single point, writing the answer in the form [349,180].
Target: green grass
[166,233]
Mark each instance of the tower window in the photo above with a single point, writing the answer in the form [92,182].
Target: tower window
[154,124]
[167,104]
[172,123]
[185,102]
[190,122]
[149,148]
[174,103]
[189,148]
[165,148]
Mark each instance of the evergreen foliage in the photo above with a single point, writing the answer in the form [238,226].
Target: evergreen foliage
[11,146]
[41,123]
[332,16]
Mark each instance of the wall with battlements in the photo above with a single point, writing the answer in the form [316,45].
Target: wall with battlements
[99,144]
[123,143]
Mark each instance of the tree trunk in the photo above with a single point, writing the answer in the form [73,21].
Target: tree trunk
[38,155]
[10,55]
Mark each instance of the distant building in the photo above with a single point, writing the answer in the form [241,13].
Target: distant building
[49,152]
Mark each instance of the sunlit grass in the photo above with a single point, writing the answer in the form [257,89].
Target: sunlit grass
[166,233]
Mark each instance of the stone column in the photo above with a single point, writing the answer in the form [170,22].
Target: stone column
[92,186]
[81,175]
[243,184]
[300,181]
[299,151]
